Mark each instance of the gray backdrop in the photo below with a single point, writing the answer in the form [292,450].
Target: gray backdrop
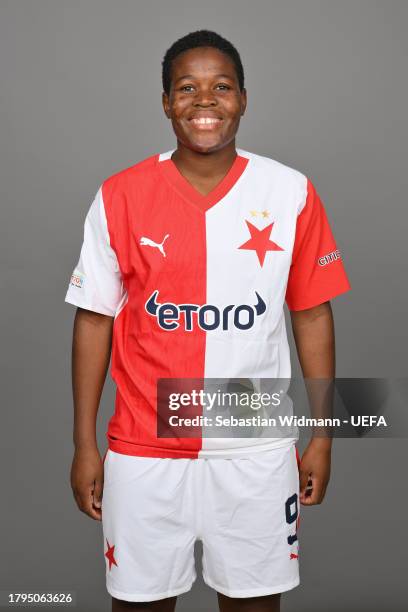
[80,100]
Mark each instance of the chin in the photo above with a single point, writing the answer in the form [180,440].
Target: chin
[207,147]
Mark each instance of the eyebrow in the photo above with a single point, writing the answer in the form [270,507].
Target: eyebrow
[217,76]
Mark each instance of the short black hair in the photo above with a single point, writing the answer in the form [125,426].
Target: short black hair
[200,38]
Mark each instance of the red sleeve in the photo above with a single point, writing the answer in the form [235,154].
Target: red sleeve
[317,272]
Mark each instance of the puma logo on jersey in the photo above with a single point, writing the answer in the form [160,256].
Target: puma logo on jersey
[144,241]
[208,316]
[294,556]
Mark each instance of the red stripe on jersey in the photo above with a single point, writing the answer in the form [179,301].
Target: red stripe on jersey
[310,283]
[142,352]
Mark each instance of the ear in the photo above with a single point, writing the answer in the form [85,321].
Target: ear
[166,105]
[243,101]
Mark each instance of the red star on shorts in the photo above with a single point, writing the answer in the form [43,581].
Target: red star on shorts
[109,555]
[260,241]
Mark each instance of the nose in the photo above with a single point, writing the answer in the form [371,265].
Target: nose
[204,97]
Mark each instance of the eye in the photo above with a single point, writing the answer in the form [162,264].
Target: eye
[186,88]
[223,86]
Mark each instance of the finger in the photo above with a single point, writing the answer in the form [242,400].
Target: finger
[85,504]
[306,498]
[305,488]
[320,487]
[304,477]
[97,493]
[89,509]
[316,493]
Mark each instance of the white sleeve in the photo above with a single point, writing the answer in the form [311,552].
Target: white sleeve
[96,282]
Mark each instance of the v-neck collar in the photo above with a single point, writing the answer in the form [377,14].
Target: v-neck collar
[190,193]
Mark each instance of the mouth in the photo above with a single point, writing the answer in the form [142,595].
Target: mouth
[206,123]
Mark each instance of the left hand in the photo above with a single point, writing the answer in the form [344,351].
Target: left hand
[314,471]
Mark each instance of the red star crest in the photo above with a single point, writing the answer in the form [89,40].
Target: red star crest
[110,555]
[260,241]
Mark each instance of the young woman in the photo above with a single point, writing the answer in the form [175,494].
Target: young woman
[187,260]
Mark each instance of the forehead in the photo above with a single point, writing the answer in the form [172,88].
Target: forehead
[203,61]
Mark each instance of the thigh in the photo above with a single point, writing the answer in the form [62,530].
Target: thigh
[146,519]
[164,605]
[269,603]
[250,545]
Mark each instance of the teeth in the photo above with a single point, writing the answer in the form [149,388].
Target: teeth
[205,120]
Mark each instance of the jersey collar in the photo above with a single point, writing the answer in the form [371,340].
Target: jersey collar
[190,193]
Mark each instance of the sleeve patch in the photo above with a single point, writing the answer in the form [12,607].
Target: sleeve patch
[329,258]
[77,279]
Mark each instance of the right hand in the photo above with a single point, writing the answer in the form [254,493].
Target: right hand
[87,481]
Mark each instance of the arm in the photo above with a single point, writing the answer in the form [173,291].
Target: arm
[313,331]
[91,348]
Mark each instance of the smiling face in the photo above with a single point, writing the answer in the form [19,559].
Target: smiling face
[205,103]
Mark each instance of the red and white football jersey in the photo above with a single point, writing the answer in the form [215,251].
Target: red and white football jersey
[196,285]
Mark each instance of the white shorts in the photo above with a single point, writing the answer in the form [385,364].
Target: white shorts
[244,510]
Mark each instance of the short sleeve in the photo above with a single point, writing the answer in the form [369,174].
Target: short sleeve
[317,273]
[96,282]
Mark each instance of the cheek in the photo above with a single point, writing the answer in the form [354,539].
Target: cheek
[176,115]
[179,125]
[232,109]
[232,121]
[179,106]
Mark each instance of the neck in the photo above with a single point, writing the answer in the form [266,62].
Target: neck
[204,164]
